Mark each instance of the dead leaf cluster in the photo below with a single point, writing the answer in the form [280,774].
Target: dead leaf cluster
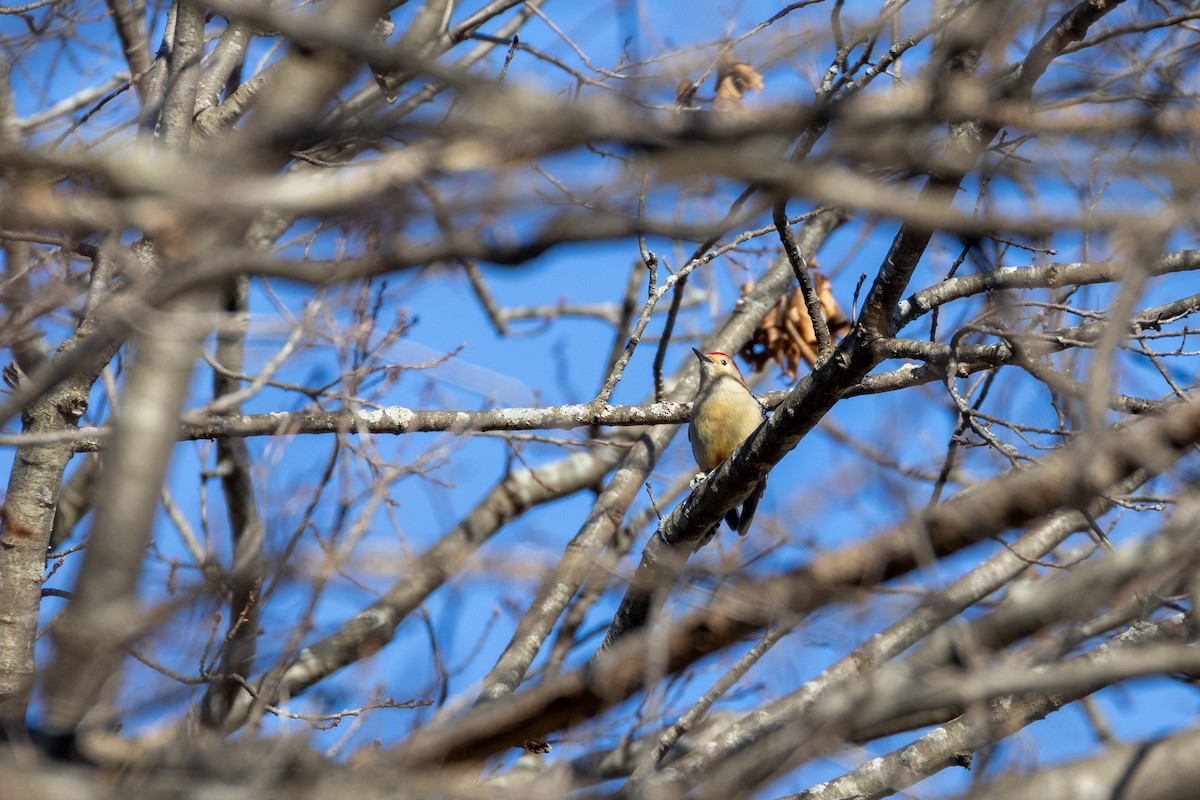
[734,79]
[786,333]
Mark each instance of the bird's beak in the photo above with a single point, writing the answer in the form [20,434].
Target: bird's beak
[701,356]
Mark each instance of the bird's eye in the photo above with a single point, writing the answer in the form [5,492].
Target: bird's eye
[724,363]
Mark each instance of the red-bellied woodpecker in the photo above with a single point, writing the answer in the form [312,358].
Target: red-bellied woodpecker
[724,414]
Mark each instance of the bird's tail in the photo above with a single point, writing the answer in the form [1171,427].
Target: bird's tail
[742,523]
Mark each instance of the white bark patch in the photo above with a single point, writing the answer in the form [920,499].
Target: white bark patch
[393,418]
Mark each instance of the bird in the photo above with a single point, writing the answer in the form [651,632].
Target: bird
[724,414]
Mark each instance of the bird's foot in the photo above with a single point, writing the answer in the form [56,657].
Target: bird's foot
[698,479]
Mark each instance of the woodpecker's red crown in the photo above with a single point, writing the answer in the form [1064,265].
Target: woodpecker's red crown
[723,361]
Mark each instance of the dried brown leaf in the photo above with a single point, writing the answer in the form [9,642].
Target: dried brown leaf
[734,79]
[786,334]
[746,78]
